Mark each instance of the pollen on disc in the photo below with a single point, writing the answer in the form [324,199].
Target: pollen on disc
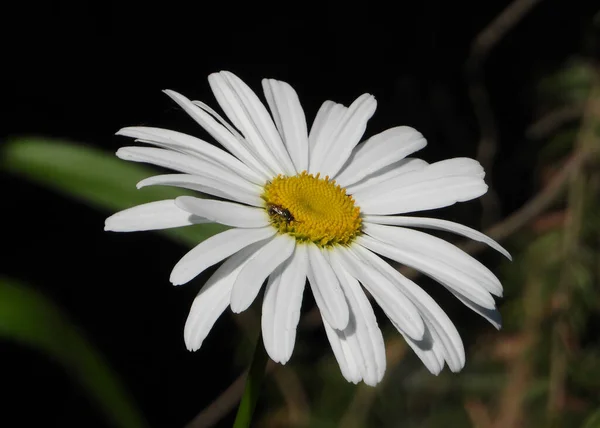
[312,209]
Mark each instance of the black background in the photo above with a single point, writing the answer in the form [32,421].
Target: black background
[82,70]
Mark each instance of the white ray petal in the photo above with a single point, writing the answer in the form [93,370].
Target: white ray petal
[444,274]
[262,120]
[249,115]
[187,164]
[206,185]
[456,167]
[378,152]
[435,318]
[346,359]
[326,289]
[398,308]
[270,305]
[186,143]
[151,216]
[362,333]
[424,178]
[371,182]
[228,213]
[427,195]
[328,159]
[214,298]
[493,316]
[164,158]
[428,351]
[437,250]
[220,118]
[439,348]
[438,224]
[215,249]
[263,263]
[281,306]
[231,141]
[326,122]
[290,120]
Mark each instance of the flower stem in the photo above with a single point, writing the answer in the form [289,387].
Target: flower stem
[253,383]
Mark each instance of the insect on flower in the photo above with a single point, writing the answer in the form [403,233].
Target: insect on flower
[278,210]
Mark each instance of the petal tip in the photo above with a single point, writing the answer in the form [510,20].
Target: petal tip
[177,279]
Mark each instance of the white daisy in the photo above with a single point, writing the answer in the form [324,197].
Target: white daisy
[315,205]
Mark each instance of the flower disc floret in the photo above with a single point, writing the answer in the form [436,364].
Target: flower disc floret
[319,210]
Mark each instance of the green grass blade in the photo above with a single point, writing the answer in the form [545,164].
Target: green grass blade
[29,318]
[94,177]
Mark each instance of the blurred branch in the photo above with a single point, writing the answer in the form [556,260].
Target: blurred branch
[478,413]
[296,400]
[222,405]
[358,410]
[286,379]
[497,29]
[577,195]
[510,414]
[481,46]
[552,121]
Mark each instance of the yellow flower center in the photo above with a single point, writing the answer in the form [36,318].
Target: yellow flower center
[312,209]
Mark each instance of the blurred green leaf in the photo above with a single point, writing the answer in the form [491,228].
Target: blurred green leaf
[593,421]
[570,84]
[94,177]
[29,318]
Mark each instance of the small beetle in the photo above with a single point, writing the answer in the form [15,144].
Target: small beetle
[277,210]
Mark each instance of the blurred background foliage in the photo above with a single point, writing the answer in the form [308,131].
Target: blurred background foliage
[541,370]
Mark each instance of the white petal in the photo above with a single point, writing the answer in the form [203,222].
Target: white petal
[231,141]
[262,122]
[457,167]
[387,173]
[290,120]
[206,185]
[228,213]
[187,164]
[438,224]
[215,249]
[437,250]
[192,145]
[427,195]
[434,317]
[343,354]
[326,289]
[362,333]
[281,306]
[217,116]
[151,216]
[444,274]
[491,315]
[429,351]
[164,158]
[249,115]
[214,298]
[398,308]
[379,151]
[328,118]
[438,185]
[328,159]
[263,263]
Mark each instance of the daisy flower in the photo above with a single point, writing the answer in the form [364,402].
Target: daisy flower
[318,205]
